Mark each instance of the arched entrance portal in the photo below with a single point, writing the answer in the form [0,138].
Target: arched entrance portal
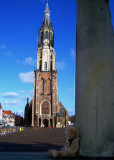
[46,123]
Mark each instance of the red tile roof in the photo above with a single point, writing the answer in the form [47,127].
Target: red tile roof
[7,112]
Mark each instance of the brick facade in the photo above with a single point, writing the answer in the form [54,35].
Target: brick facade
[45,98]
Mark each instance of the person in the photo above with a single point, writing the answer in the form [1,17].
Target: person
[50,127]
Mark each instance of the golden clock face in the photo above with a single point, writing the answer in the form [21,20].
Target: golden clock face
[46,41]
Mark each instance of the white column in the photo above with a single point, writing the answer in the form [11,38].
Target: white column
[94,78]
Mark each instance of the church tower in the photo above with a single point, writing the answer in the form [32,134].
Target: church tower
[45,99]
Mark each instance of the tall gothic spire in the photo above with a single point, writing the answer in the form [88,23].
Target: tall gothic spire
[47,14]
[47,8]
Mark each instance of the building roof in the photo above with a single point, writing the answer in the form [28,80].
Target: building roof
[7,112]
[12,114]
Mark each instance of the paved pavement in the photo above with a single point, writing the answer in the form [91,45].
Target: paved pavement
[24,156]
[33,144]
[32,140]
[27,156]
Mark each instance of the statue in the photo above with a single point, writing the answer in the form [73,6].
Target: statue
[71,147]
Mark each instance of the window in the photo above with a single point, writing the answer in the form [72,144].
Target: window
[41,37]
[61,113]
[40,65]
[51,66]
[45,66]
[45,107]
[58,119]
[46,35]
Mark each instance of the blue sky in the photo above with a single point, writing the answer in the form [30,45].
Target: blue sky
[20,21]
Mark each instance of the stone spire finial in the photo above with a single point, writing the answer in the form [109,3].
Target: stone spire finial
[47,14]
[27,100]
[47,8]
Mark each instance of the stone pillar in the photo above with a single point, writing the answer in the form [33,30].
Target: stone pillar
[94,78]
[34,99]
[33,113]
[54,121]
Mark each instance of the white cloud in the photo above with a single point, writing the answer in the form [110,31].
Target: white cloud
[30,92]
[8,53]
[60,65]
[27,77]
[3,46]
[25,98]
[72,53]
[29,61]
[19,112]
[10,95]
[5,50]
[22,91]
[11,103]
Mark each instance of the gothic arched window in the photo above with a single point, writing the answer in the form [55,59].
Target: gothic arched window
[46,34]
[40,65]
[41,37]
[61,113]
[45,107]
[45,66]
